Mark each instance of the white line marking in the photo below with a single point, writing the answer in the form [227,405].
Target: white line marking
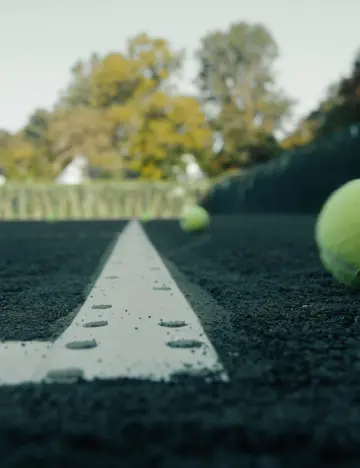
[18,360]
[127,310]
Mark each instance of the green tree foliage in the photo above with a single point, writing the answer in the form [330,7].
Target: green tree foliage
[36,129]
[340,108]
[237,82]
[124,111]
[84,130]
[78,93]
[20,158]
[344,108]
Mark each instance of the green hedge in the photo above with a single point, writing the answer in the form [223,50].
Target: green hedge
[95,201]
[299,181]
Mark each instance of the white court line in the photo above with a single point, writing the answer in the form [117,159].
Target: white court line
[19,360]
[132,298]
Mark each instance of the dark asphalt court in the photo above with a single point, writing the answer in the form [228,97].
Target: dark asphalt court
[288,335]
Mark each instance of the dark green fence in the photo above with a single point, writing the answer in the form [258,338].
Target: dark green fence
[297,182]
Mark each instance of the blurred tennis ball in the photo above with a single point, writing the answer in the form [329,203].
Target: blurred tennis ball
[146,216]
[194,219]
[337,234]
[51,217]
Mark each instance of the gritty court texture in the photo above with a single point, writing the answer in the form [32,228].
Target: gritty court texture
[141,346]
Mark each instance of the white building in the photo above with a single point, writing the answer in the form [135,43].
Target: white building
[190,174]
[2,176]
[75,172]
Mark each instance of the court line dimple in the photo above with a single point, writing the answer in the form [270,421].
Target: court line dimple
[135,323]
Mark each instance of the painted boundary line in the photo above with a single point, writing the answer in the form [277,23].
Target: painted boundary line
[135,323]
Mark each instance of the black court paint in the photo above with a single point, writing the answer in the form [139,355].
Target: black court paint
[46,270]
[287,334]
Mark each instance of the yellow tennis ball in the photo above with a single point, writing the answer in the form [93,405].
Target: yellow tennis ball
[337,234]
[146,216]
[194,219]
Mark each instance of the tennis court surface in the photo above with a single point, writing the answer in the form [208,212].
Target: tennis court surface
[285,334]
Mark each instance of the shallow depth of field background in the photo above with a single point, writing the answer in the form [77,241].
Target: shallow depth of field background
[124,136]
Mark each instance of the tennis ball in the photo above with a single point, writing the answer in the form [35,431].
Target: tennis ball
[51,217]
[337,234]
[146,216]
[194,219]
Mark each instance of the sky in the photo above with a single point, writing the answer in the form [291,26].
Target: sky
[41,40]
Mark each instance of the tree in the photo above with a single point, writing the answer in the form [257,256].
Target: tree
[340,108]
[156,61]
[20,158]
[167,132]
[344,108]
[83,130]
[119,112]
[147,66]
[6,139]
[153,125]
[36,129]
[79,91]
[237,83]
[157,130]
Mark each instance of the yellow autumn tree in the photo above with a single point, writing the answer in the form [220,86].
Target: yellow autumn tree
[154,127]
[86,131]
[20,158]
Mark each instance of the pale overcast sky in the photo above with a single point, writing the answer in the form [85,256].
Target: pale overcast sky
[41,39]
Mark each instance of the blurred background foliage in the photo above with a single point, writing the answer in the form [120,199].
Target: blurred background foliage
[125,112]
